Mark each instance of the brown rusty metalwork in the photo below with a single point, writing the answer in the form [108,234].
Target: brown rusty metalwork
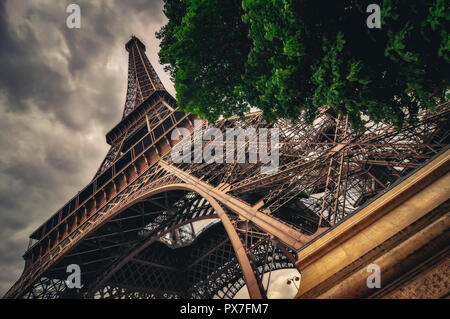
[147,227]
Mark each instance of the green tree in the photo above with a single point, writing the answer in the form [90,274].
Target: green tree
[285,56]
[206,46]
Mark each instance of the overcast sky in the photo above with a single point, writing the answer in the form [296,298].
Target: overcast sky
[61,91]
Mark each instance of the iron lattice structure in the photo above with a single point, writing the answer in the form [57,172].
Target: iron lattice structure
[134,230]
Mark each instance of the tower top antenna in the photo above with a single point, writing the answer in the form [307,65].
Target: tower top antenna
[134,40]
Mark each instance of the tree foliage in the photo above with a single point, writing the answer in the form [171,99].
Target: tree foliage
[285,56]
[206,46]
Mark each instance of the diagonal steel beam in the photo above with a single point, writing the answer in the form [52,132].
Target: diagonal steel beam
[287,234]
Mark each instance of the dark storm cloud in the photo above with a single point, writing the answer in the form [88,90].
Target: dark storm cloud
[21,75]
[61,90]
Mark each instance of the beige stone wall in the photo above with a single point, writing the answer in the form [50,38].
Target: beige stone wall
[403,229]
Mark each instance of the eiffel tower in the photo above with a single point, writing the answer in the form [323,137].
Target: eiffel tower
[147,227]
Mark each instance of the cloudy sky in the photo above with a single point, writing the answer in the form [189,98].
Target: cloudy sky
[61,90]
